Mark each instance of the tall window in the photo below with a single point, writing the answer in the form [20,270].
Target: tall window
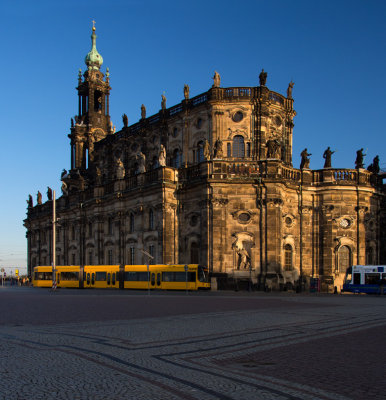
[73,232]
[132,255]
[110,226]
[176,160]
[110,257]
[151,219]
[131,223]
[370,256]
[344,258]
[73,259]
[90,258]
[248,149]
[238,147]
[151,252]
[288,257]
[200,151]
[90,229]
[229,152]
[194,253]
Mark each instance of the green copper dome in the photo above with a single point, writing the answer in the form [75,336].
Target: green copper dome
[93,59]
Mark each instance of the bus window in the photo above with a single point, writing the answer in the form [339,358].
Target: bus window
[158,279]
[152,279]
[372,279]
[101,276]
[113,279]
[92,279]
[357,278]
[108,278]
[88,279]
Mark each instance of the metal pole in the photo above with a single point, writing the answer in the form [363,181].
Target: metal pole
[53,239]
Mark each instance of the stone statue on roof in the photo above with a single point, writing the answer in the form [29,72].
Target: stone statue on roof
[143,111]
[263,77]
[186,92]
[216,79]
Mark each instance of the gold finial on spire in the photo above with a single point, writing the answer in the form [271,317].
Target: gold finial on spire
[93,25]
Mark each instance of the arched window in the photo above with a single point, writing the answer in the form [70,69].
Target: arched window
[151,219]
[288,265]
[344,259]
[131,227]
[238,147]
[194,253]
[200,151]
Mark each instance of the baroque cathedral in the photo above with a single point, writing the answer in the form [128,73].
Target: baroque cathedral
[211,181]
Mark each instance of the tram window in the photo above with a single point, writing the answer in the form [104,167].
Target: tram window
[136,276]
[178,276]
[43,276]
[92,278]
[113,279]
[201,274]
[100,276]
[372,279]
[153,279]
[108,279]
[158,279]
[88,279]
[69,276]
[357,278]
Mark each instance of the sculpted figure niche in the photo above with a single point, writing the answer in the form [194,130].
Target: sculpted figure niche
[206,150]
[141,158]
[120,169]
[162,156]
[217,153]
[273,148]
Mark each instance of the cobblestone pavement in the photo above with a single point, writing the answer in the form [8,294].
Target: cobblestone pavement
[273,347]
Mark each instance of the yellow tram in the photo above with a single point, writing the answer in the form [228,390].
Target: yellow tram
[163,277]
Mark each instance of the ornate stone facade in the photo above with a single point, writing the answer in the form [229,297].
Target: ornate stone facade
[210,180]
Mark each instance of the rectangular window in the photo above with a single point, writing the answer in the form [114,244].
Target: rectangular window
[178,276]
[90,230]
[357,278]
[248,149]
[229,152]
[100,276]
[136,276]
[69,276]
[90,258]
[73,259]
[43,276]
[372,279]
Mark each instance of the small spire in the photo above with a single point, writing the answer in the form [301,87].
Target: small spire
[93,59]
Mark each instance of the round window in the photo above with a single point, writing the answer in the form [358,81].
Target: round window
[238,116]
[288,221]
[244,217]
[345,223]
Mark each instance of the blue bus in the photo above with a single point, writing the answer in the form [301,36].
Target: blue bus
[369,279]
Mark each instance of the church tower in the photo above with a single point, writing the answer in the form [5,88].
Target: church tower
[93,120]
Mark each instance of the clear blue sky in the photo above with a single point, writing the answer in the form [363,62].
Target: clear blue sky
[334,51]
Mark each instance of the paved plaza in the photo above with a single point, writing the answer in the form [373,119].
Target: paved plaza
[79,344]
